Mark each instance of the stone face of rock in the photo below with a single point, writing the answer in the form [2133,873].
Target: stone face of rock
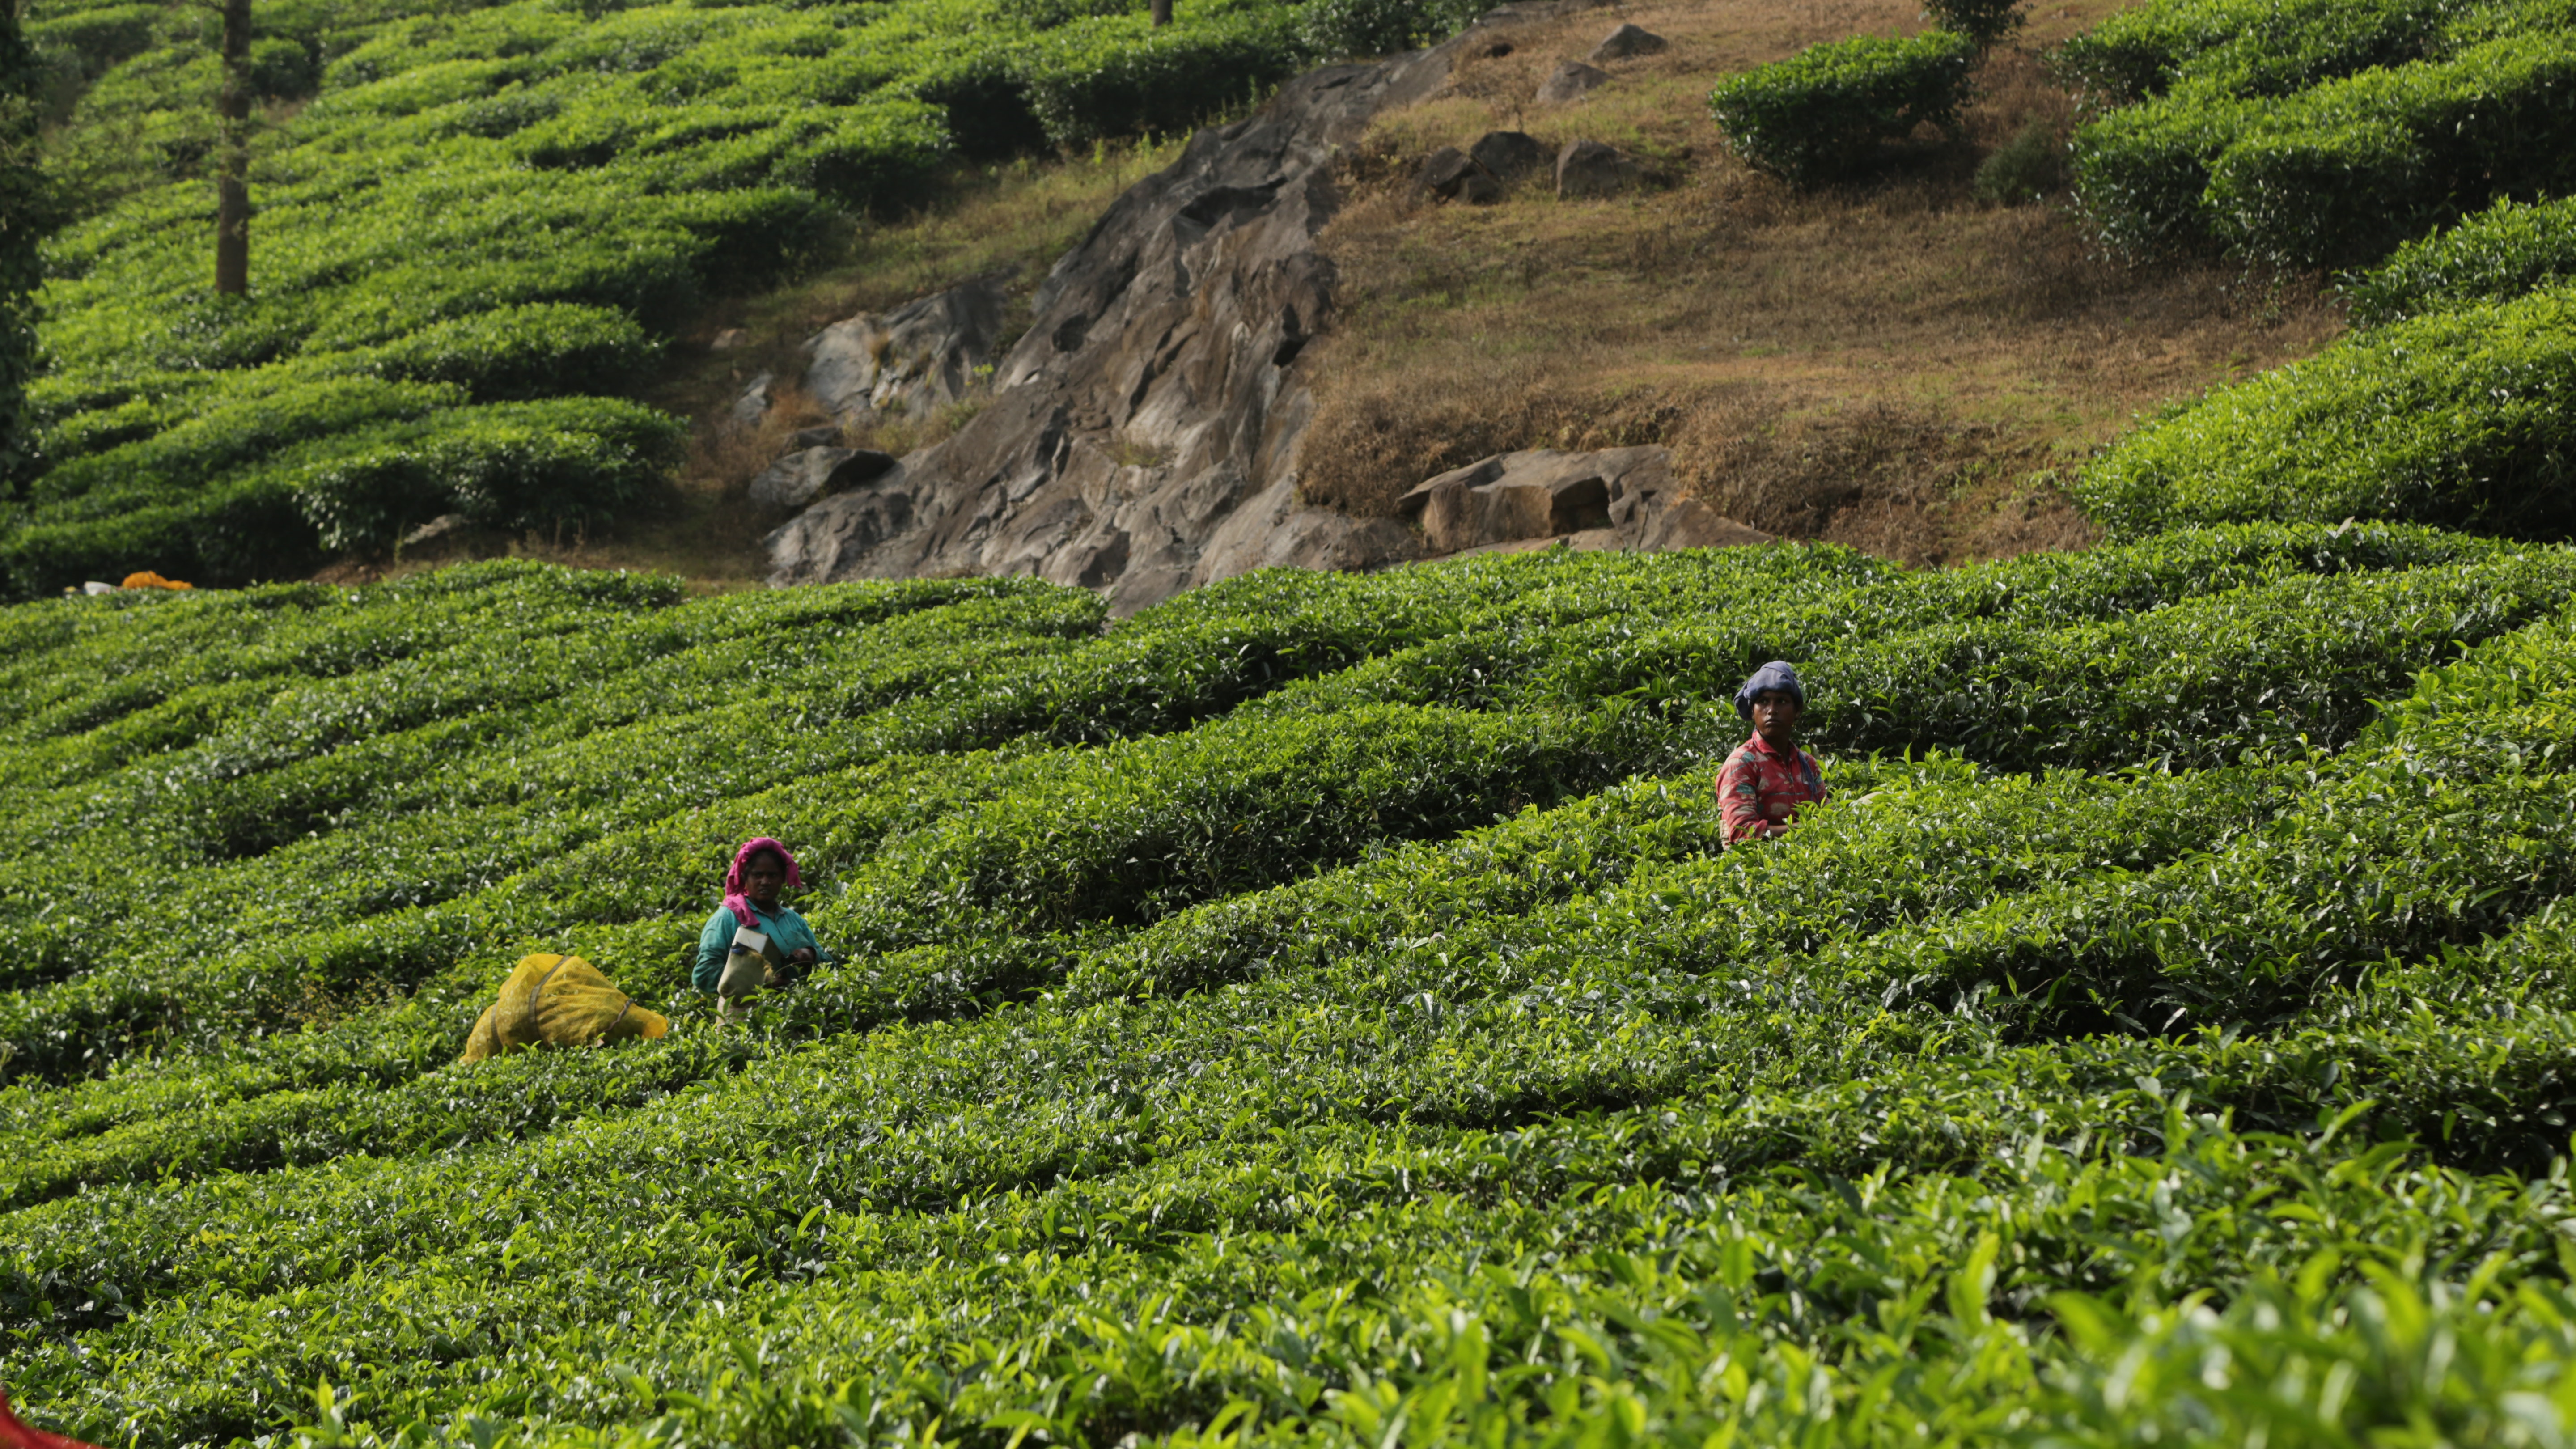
[1572,81]
[1626,41]
[911,361]
[821,437]
[1595,168]
[729,339]
[1508,155]
[810,473]
[1610,498]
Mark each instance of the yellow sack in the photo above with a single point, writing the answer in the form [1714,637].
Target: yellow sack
[562,1001]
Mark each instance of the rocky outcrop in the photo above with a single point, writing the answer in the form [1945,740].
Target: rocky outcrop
[1141,435]
[1612,498]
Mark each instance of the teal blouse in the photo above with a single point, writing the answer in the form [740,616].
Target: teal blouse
[782,926]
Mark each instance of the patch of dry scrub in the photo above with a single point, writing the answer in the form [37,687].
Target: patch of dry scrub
[1891,363]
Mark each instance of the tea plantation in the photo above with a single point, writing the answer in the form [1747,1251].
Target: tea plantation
[1316,1009]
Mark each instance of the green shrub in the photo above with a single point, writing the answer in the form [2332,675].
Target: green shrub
[1343,29]
[1226,992]
[222,439]
[283,68]
[2451,418]
[2495,256]
[2026,168]
[1983,21]
[1823,112]
[2312,132]
[101,36]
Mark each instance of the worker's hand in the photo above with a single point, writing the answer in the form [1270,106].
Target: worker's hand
[801,956]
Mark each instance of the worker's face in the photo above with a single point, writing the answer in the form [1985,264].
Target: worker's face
[762,876]
[1775,716]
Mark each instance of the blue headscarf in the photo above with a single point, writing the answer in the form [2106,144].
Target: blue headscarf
[1775,675]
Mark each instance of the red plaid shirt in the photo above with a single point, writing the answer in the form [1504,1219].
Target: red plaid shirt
[1758,788]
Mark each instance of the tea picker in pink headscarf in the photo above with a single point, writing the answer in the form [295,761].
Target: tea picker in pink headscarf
[761,869]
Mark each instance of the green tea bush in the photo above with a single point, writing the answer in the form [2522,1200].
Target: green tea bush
[2312,133]
[1824,111]
[1340,29]
[2140,171]
[2345,171]
[2450,418]
[1117,75]
[2495,256]
[2257,47]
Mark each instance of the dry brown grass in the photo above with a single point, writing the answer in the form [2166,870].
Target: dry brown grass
[1890,363]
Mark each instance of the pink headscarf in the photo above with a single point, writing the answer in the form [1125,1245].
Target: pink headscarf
[740,904]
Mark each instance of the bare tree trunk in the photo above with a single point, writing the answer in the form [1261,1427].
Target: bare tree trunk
[232,178]
[1162,12]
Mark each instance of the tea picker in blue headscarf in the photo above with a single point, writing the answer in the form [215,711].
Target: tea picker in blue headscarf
[1768,777]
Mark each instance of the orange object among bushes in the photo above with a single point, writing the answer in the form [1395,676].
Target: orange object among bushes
[150,580]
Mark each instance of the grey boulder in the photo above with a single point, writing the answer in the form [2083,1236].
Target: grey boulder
[1142,435]
[1444,171]
[1595,168]
[1626,41]
[1572,82]
[1507,155]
